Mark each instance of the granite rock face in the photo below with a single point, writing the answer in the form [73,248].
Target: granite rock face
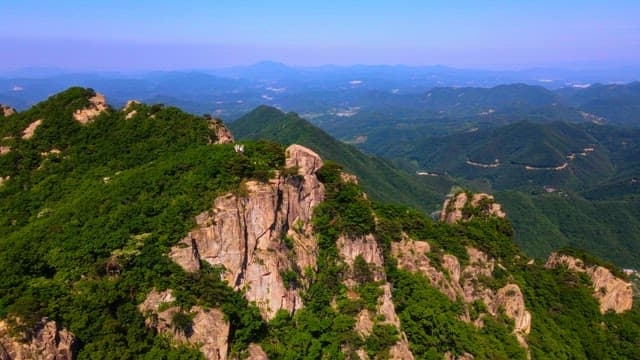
[97,105]
[254,236]
[7,110]
[453,209]
[612,293]
[209,331]
[367,247]
[47,342]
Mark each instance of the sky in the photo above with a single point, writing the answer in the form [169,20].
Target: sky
[163,35]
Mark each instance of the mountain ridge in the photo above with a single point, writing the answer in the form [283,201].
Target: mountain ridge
[94,238]
[382,180]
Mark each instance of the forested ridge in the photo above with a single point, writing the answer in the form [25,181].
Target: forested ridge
[89,213]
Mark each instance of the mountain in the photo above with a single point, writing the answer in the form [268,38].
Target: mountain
[94,199]
[472,101]
[614,104]
[528,155]
[379,178]
[145,232]
[563,184]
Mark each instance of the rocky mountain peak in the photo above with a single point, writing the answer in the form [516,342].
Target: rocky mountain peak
[129,109]
[97,105]
[612,293]
[463,206]
[7,110]
[223,135]
[246,234]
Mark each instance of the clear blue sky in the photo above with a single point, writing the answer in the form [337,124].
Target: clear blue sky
[156,34]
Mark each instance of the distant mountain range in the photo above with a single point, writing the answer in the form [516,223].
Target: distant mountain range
[328,94]
[463,126]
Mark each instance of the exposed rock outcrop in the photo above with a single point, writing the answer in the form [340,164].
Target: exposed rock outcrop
[367,247]
[53,151]
[31,129]
[386,314]
[456,207]
[348,178]
[255,352]
[47,342]
[129,109]
[611,292]
[412,256]
[97,105]
[510,300]
[209,331]
[246,234]
[450,356]
[466,284]
[223,135]
[7,110]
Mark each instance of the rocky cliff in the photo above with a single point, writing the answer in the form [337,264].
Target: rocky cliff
[612,293]
[97,105]
[468,283]
[223,135]
[367,247]
[463,206]
[7,110]
[207,330]
[261,234]
[46,342]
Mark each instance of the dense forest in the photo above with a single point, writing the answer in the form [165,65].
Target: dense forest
[89,213]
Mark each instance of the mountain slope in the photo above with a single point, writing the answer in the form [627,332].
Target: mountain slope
[563,184]
[380,179]
[616,104]
[143,233]
[520,155]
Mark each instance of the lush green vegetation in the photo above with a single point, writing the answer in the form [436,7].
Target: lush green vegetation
[567,323]
[85,233]
[595,197]
[549,222]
